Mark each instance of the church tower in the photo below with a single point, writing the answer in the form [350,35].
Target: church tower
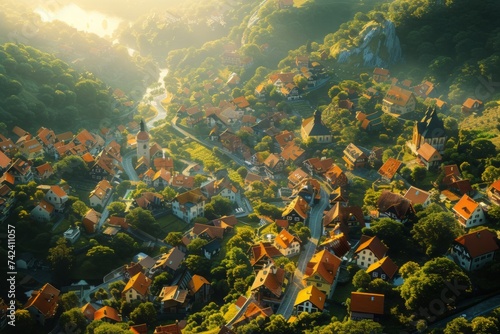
[142,139]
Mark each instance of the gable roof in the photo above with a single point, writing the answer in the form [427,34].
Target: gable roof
[313,295]
[297,175]
[4,160]
[398,95]
[88,311]
[173,293]
[389,200]
[374,244]
[58,191]
[390,168]
[212,231]
[139,282]
[299,205]
[416,195]
[386,265]
[252,311]
[271,278]
[325,264]
[427,151]
[338,243]
[372,303]
[172,259]
[292,152]
[466,206]
[285,239]
[191,196]
[197,282]
[107,312]
[263,249]
[44,300]
[479,242]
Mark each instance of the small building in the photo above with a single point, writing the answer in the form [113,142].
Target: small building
[395,207]
[472,105]
[189,205]
[389,169]
[369,251]
[354,157]
[107,314]
[418,196]
[296,211]
[173,299]
[91,221]
[269,286]
[322,272]
[43,212]
[72,234]
[314,128]
[169,262]
[469,212]
[493,192]
[137,288]
[366,305]
[43,303]
[398,101]
[428,156]
[473,250]
[384,269]
[287,243]
[310,299]
[380,74]
[200,289]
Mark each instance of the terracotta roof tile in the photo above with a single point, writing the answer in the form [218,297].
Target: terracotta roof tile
[372,303]
[465,206]
[390,168]
[387,266]
[107,312]
[44,300]
[479,242]
[374,244]
[312,295]
[140,283]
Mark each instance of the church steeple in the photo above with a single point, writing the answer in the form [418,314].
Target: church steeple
[317,117]
[143,126]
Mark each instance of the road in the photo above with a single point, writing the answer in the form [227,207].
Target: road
[316,226]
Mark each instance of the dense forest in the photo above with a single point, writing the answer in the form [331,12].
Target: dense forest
[38,89]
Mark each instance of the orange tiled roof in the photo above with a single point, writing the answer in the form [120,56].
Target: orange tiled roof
[263,249]
[197,283]
[479,242]
[46,206]
[416,195]
[140,283]
[88,311]
[285,239]
[44,300]
[193,196]
[324,264]
[107,312]
[469,103]
[4,160]
[271,278]
[390,168]
[427,151]
[299,205]
[398,95]
[292,152]
[465,206]
[372,303]
[42,169]
[58,191]
[387,266]
[313,295]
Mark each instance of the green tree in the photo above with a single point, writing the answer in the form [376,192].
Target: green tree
[194,247]
[436,232]
[484,325]
[198,265]
[160,281]
[144,313]
[69,300]
[143,220]
[408,269]
[61,258]
[117,209]
[123,244]
[361,280]
[458,325]
[392,233]
[79,208]
[174,238]
[73,321]
[103,255]
[222,206]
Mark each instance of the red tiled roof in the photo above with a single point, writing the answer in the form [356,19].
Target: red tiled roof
[390,168]
[140,283]
[107,312]
[285,239]
[372,303]
[271,278]
[479,242]
[325,264]
[374,244]
[416,195]
[465,206]
[44,300]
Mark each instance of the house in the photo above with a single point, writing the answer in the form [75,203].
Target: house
[369,251]
[380,74]
[314,128]
[43,171]
[72,234]
[336,177]
[21,170]
[347,215]
[269,286]
[318,166]
[189,205]
[57,197]
[296,211]
[43,212]
[171,329]
[384,269]
[469,212]
[287,243]
[290,92]
[418,196]
[429,156]
[260,92]
[107,314]
[161,179]
[43,303]
[493,192]
[424,90]
[474,250]
[149,200]
[181,181]
[389,169]
[169,262]
[139,329]
[354,157]
[222,186]
[263,254]
[398,101]
[173,299]
[337,244]
[310,299]
[200,289]
[100,194]
[430,130]
[274,164]
[91,221]
[472,105]
[252,311]
[292,153]
[322,272]
[395,207]
[88,311]
[453,180]
[296,177]
[366,305]
[137,288]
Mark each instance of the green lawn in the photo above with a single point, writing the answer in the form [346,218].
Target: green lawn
[171,223]
[342,292]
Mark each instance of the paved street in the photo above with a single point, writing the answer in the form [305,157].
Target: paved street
[315,224]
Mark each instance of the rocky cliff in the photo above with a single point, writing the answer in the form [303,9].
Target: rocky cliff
[376,45]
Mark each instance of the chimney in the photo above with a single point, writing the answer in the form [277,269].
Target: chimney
[478,235]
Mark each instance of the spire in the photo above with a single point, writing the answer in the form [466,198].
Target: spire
[317,117]
[143,126]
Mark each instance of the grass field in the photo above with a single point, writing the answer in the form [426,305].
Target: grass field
[171,223]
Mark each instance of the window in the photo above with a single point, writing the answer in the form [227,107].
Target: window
[297,219]
[382,276]
[375,274]
[362,263]
[363,257]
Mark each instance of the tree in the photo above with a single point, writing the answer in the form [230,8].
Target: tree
[300,81]
[435,232]
[159,282]
[71,166]
[169,193]
[458,325]
[69,300]
[24,321]
[61,258]
[174,238]
[198,265]
[122,188]
[117,209]
[222,206]
[490,174]
[438,277]
[144,313]
[101,327]
[484,325]
[361,280]
[143,220]
[194,247]
[418,174]
[392,233]
[79,208]
[408,269]
[103,255]
[73,321]
[123,244]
